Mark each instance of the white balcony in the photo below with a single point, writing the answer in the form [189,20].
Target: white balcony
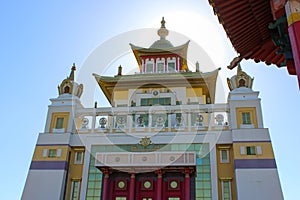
[153,119]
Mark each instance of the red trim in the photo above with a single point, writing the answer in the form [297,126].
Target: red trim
[187,184]
[132,187]
[294,33]
[159,185]
[105,186]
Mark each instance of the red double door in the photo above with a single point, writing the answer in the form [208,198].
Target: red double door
[146,186]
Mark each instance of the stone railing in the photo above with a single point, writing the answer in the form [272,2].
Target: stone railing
[185,118]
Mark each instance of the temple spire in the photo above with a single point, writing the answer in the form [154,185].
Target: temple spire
[69,86]
[240,80]
[239,68]
[163,23]
[73,69]
[163,32]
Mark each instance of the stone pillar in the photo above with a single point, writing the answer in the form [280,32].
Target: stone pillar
[112,123]
[129,122]
[187,184]
[94,121]
[169,122]
[159,185]
[105,190]
[132,187]
[149,122]
[189,115]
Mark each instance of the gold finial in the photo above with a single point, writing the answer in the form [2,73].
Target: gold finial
[163,32]
[239,68]
[197,67]
[120,70]
[71,77]
[163,23]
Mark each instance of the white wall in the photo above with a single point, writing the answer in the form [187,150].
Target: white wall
[258,184]
[44,184]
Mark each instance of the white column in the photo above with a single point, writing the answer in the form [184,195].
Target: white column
[209,119]
[143,66]
[111,123]
[169,122]
[149,122]
[129,123]
[85,172]
[93,122]
[189,121]
[213,171]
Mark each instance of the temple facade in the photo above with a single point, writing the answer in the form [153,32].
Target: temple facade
[163,138]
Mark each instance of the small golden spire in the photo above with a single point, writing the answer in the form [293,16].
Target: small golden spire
[163,23]
[239,68]
[73,69]
[163,32]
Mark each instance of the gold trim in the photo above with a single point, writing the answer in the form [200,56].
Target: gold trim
[78,149]
[226,178]
[76,179]
[224,147]
[294,17]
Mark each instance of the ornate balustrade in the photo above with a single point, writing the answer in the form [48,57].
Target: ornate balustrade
[185,118]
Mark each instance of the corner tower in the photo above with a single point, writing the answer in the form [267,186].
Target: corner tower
[254,163]
[56,165]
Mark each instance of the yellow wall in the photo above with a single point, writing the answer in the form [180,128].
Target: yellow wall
[194,92]
[39,150]
[225,170]
[75,170]
[267,150]
[120,95]
[67,154]
[253,116]
[64,115]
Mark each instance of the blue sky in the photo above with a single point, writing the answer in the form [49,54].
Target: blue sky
[40,41]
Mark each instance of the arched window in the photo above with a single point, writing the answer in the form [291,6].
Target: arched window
[242,83]
[66,89]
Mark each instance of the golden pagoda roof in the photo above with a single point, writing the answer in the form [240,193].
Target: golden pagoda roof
[207,81]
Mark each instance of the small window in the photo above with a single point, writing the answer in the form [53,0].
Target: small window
[171,66]
[59,123]
[242,83]
[224,155]
[120,198]
[149,67]
[66,89]
[52,153]
[78,157]
[246,118]
[75,190]
[226,190]
[160,67]
[251,150]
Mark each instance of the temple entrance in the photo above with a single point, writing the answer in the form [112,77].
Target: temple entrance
[166,184]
